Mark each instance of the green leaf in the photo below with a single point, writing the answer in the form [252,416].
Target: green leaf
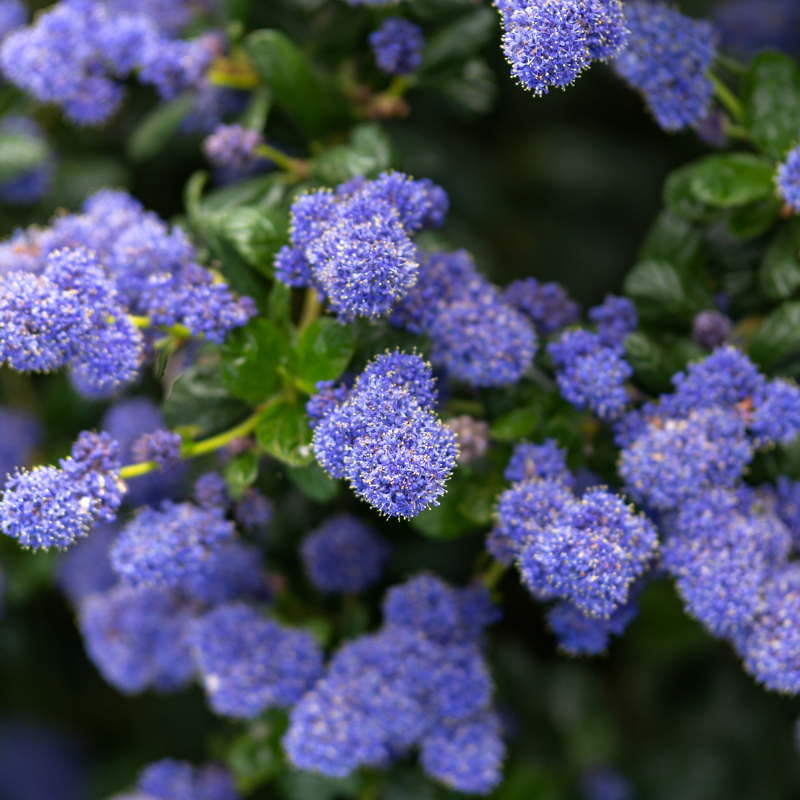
[256,757]
[241,473]
[20,153]
[255,233]
[680,199]
[323,352]
[771,101]
[474,91]
[200,400]
[253,360]
[314,482]
[673,238]
[460,40]
[662,290]
[731,179]
[369,153]
[755,219]
[446,521]
[289,75]
[649,361]
[284,433]
[311,786]
[516,424]
[262,190]
[156,129]
[778,338]
[779,276]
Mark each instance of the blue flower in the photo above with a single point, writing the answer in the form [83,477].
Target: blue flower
[547,461]
[211,491]
[605,783]
[85,568]
[249,663]
[169,779]
[711,329]
[667,59]
[547,305]
[328,396]
[615,319]
[344,555]
[161,446]
[21,434]
[788,178]
[160,547]
[397,46]
[253,509]
[579,635]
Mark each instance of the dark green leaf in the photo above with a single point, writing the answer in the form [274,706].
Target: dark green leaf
[240,473]
[660,289]
[755,219]
[20,153]
[255,233]
[79,176]
[153,133]
[262,190]
[779,277]
[778,338]
[474,90]
[680,199]
[323,352]
[199,399]
[460,40]
[369,153]
[731,179]
[516,424]
[310,786]
[771,101]
[256,756]
[314,482]
[284,433]
[650,363]
[446,521]
[673,238]
[253,360]
[280,303]
[289,75]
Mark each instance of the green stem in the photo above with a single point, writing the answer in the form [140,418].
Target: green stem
[491,577]
[736,132]
[398,86]
[181,331]
[727,98]
[194,449]
[312,308]
[732,65]
[287,163]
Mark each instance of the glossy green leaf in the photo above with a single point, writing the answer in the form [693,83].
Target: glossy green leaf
[284,433]
[516,424]
[771,101]
[156,129]
[323,352]
[314,482]
[369,153]
[673,238]
[755,219]
[241,473]
[254,360]
[681,200]
[779,276]
[731,179]
[199,399]
[649,361]
[661,289]
[255,233]
[459,40]
[778,337]
[288,73]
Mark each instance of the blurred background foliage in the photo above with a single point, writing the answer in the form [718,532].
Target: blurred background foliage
[563,188]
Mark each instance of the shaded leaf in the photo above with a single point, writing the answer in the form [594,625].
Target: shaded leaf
[323,352]
[284,433]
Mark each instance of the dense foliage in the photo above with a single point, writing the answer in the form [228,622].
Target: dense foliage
[316,483]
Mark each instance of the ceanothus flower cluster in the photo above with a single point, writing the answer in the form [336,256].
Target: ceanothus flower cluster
[31,186]
[587,552]
[397,46]
[478,338]
[384,437]
[420,681]
[76,54]
[21,434]
[546,305]
[788,178]
[169,779]
[51,507]
[549,43]
[354,245]
[667,59]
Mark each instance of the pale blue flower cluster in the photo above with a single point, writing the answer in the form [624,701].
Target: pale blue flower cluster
[386,440]
[547,305]
[169,779]
[420,681]
[397,46]
[353,245]
[161,446]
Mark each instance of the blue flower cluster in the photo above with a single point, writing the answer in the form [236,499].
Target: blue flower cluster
[248,663]
[169,779]
[70,314]
[605,783]
[63,304]
[32,185]
[252,510]
[50,507]
[397,46]
[788,178]
[588,552]
[233,150]
[546,305]
[711,329]
[344,555]
[21,434]
[591,374]
[551,42]
[386,440]
[161,547]
[421,680]
[77,52]
[353,245]
[477,337]
[161,446]
[86,568]
[667,59]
